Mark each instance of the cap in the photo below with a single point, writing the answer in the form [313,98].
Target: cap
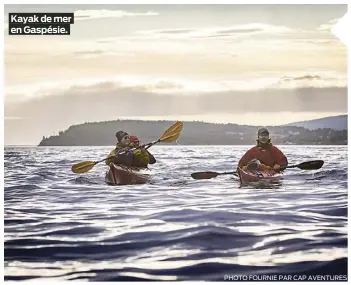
[134,139]
[120,135]
[263,131]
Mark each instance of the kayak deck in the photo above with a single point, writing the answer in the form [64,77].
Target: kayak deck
[258,176]
[118,174]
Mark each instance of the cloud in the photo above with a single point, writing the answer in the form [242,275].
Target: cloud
[161,86]
[100,52]
[13,118]
[108,101]
[98,14]
[318,41]
[305,77]
[112,97]
[88,52]
[218,32]
[177,86]
[173,31]
[339,30]
[328,27]
[313,80]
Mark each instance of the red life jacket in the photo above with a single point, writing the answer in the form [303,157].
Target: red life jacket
[269,156]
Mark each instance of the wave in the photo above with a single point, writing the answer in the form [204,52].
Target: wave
[60,226]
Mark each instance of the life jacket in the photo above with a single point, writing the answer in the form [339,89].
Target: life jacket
[125,159]
[267,154]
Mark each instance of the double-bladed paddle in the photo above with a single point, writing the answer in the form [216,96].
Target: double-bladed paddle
[308,165]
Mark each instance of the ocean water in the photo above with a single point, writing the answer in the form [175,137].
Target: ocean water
[64,226]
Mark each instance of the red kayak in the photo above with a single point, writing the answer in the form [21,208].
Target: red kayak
[118,174]
[257,176]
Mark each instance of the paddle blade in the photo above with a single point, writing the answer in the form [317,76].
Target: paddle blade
[311,165]
[204,175]
[172,133]
[82,167]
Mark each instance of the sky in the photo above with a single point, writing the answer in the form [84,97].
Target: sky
[244,64]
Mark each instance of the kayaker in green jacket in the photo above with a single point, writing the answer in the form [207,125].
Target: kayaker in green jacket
[135,158]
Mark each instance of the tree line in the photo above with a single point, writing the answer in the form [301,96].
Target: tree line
[193,133]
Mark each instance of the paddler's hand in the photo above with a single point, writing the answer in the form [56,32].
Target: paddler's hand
[276,167]
[143,150]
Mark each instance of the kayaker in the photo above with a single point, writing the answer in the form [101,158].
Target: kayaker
[135,142]
[135,158]
[266,153]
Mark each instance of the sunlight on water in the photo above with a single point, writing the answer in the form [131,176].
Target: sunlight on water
[64,226]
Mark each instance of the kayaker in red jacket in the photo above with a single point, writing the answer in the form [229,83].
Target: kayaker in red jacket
[268,154]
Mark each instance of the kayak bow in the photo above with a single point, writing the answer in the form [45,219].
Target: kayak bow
[257,176]
[118,174]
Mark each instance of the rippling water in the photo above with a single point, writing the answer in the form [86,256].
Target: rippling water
[66,226]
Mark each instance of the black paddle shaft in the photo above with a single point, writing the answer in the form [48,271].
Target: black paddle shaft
[308,165]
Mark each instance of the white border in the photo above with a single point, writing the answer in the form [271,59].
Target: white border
[2,143]
[118,2]
[345,35]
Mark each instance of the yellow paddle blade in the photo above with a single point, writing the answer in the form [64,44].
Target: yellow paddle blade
[172,133]
[82,167]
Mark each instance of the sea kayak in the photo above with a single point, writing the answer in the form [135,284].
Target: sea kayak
[258,176]
[118,174]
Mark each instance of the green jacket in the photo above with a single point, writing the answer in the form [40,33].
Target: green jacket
[136,158]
